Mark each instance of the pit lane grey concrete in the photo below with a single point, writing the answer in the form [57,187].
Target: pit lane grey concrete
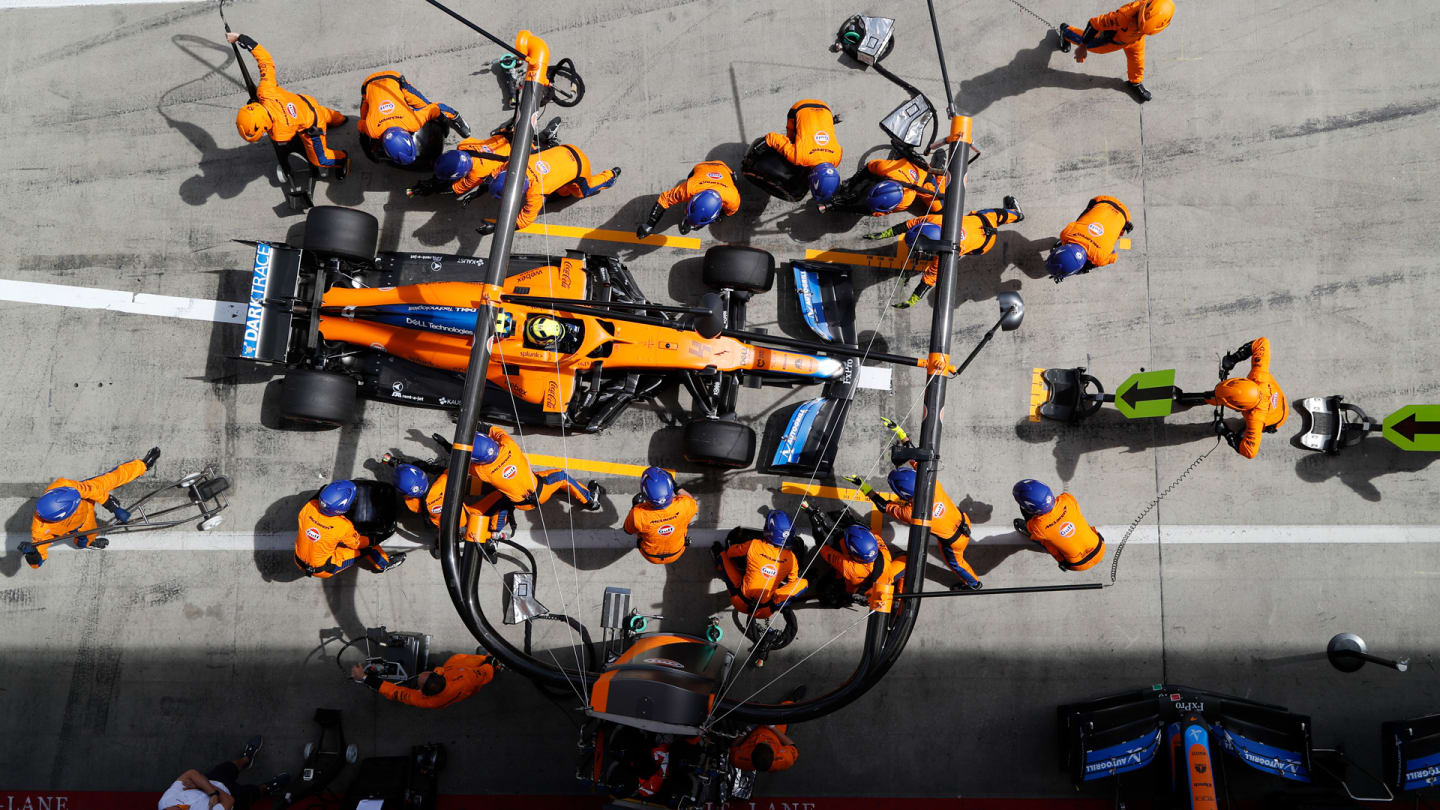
[1282,184]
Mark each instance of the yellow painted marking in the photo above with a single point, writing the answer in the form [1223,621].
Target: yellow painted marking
[877,518]
[585,464]
[1123,244]
[627,237]
[1038,393]
[857,259]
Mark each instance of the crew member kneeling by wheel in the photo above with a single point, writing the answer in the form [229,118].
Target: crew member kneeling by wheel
[660,517]
[759,569]
[327,542]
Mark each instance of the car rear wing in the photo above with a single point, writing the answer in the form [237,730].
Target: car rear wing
[270,312]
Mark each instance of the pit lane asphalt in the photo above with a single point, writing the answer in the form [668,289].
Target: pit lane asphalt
[1282,184]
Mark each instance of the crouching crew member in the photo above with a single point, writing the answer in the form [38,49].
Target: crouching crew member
[397,123]
[328,543]
[809,142]
[660,517]
[460,677]
[708,192]
[561,170]
[1256,396]
[758,569]
[767,749]
[69,506]
[1056,524]
[1089,241]
[978,231]
[288,116]
[1123,29]
[862,563]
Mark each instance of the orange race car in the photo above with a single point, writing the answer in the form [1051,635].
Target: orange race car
[576,341]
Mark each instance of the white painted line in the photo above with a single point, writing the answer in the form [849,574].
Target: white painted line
[61,3]
[168,306]
[189,540]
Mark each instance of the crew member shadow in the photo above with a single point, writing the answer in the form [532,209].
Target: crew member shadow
[1030,69]
[1357,467]
[17,527]
[1109,429]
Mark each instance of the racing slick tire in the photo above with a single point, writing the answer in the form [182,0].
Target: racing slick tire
[719,442]
[317,397]
[737,267]
[773,174]
[342,232]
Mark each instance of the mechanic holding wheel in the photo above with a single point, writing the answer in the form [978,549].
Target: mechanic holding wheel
[1125,29]
[887,186]
[497,460]
[288,116]
[561,170]
[708,193]
[458,678]
[1089,241]
[1256,396]
[660,517]
[978,231]
[328,543]
[862,563]
[397,123]
[423,497]
[760,571]
[809,142]
[69,506]
[1058,525]
[948,524]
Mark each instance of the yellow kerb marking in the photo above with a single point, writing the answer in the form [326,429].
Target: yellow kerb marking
[1038,393]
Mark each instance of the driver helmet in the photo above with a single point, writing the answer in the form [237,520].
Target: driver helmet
[860,544]
[399,146]
[824,182]
[253,121]
[543,330]
[452,165]
[885,197]
[57,504]
[337,497]
[504,324]
[1238,392]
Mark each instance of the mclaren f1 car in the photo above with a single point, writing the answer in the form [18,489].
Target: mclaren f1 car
[576,339]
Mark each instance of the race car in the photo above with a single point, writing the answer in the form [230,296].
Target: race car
[576,340]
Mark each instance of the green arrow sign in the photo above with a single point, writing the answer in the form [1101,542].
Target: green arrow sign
[1414,427]
[1147,394]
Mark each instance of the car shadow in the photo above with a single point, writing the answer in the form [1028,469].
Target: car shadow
[1029,69]
[1106,430]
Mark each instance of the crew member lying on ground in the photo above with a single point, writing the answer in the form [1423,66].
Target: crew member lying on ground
[458,678]
[69,506]
[759,569]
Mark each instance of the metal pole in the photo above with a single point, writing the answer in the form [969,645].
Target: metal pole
[976,351]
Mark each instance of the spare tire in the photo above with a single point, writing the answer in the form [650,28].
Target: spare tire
[342,232]
[317,397]
[775,175]
[738,267]
[720,442]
